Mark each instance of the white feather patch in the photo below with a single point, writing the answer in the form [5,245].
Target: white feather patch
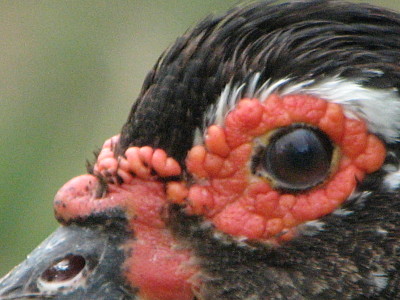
[392,181]
[311,228]
[198,138]
[341,212]
[379,107]
[217,112]
[378,279]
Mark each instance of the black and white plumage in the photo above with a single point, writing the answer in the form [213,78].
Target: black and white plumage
[345,53]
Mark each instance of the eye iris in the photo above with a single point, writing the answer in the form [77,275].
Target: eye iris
[298,159]
[65,269]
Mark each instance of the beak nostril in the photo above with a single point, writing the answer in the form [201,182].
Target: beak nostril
[65,269]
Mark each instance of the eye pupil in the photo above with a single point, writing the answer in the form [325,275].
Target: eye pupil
[298,159]
[64,269]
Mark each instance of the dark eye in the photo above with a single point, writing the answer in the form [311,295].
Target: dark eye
[298,158]
[64,273]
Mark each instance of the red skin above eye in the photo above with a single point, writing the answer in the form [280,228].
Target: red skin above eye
[242,204]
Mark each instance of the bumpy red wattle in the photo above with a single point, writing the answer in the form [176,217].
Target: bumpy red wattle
[242,204]
[154,264]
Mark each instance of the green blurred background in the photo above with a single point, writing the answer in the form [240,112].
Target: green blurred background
[69,73]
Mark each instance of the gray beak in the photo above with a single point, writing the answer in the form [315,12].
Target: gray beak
[73,263]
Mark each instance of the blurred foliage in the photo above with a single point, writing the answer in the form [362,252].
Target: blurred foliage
[69,72]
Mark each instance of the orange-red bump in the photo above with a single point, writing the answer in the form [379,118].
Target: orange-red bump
[354,138]
[106,162]
[243,204]
[136,164]
[299,108]
[246,117]
[369,161]
[332,123]
[200,199]
[236,219]
[249,114]
[213,164]
[194,163]
[177,192]
[274,115]
[141,161]
[216,141]
[165,166]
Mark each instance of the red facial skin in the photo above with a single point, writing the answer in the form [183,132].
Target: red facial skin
[154,265]
[227,193]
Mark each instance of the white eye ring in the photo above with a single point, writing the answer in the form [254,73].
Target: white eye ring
[60,276]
